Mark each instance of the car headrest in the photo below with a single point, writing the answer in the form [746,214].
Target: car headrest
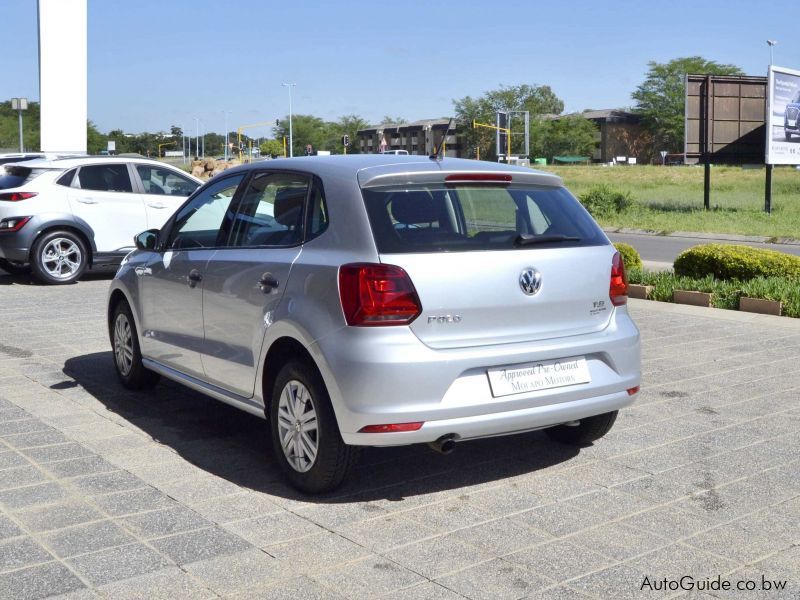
[414,207]
[289,206]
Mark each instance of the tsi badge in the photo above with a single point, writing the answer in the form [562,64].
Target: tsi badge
[530,280]
[444,319]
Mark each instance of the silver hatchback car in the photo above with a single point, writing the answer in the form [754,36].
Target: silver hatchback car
[382,300]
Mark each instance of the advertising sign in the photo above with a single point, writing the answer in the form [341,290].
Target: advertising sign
[783,118]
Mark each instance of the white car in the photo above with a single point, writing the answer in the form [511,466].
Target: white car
[60,217]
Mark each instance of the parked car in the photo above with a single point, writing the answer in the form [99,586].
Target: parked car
[26,156]
[791,118]
[354,302]
[59,217]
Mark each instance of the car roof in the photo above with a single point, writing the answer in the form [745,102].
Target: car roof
[370,168]
[77,161]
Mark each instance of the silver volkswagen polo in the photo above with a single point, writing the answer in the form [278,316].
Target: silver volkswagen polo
[382,300]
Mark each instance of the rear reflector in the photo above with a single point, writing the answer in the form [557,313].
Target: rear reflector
[633,390]
[478,177]
[13,224]
[618,290]
[375,294]
[394,427]
[17,196]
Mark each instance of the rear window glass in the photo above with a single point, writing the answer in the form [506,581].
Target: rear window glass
[477,217]
[13,177]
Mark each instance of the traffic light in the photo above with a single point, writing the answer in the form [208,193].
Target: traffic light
[345,140]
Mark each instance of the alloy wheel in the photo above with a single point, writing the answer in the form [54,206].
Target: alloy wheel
[298,426]
[61,258]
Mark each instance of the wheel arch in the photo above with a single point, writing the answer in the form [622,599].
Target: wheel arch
[280,352]
[74,228]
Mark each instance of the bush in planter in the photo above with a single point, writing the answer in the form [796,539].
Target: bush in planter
[728,261]
[630,257]
[603,201]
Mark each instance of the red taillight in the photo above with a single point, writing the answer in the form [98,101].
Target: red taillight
[374,294]
[478,177]
[17,196]
[633,390]
[391,428]
[13,224]
[618,292]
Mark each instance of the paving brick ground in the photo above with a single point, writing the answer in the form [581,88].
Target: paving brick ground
[107,493]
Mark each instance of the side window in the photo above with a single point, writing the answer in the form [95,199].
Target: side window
[66,178]
[105,178]
[271,211]
[160,181]
[317,211]
[198,223]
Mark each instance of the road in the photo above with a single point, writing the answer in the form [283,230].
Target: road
[662,250]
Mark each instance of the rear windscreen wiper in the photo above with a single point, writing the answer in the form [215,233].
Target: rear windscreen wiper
[525,239]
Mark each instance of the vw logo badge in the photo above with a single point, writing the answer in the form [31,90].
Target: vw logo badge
[530,280]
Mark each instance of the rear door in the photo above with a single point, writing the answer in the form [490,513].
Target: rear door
[495,263]
[245,282]
[164,190]
[102,196]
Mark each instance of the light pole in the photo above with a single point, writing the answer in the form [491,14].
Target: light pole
[771,43]
[20,104]
[291,147]
[196,138]
[226,113]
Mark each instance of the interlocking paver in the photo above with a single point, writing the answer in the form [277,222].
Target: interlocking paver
[701,475]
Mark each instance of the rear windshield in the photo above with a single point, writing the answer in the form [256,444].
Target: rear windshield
[11,177]
[459,218]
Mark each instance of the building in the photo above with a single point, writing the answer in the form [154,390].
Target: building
[419,137]
[620,133]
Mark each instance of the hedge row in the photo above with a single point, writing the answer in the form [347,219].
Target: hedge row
[724,293]
[728,261]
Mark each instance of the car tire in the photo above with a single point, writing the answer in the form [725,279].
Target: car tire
[59,257]
[13,268]
[127,356]
[305,435]
[788,135]
[585,432]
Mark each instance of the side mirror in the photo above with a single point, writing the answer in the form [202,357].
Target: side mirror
[146,240]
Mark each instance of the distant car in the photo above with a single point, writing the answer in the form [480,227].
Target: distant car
[381,301]
[59,217]
[791,118]
[396,152]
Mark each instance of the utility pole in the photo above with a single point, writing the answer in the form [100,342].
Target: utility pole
[291,147]
[226,112]
[20,104]
[196,138]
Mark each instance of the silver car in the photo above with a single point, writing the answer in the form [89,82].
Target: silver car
[379,301]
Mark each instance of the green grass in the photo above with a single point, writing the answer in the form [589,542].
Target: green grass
[668,199]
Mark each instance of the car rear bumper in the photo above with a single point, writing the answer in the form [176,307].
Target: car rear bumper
[15,245]
[384,376]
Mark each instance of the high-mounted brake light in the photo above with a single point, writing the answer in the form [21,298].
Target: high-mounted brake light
[376,294]
[618,290]
[392,428]
[478,177]
[17,196]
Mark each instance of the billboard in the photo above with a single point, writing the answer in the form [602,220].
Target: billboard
[725,116]
[783,119]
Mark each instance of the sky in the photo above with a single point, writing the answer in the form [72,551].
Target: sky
[157,63]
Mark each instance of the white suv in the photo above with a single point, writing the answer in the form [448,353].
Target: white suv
[60,217]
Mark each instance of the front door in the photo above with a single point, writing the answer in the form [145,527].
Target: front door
[174,279]
[164,190]
[245,282]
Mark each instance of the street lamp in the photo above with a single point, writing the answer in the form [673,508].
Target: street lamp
[20,104]
[196,138]
[226,113]
[290,86]
[771,43]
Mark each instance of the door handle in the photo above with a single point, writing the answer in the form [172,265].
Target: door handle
[87,200]
[156,205]
[194,278]
[267,283]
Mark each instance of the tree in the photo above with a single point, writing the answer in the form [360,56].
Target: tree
[570,135]
[536,99]
[273,148]
[393,120]
[660,98]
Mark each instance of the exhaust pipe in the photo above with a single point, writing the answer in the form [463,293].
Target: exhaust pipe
[445,444]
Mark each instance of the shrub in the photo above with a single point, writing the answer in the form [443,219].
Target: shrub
[630,257]
[728,261]
[603,201]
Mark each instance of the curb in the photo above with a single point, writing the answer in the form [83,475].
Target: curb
[728,237]
[713,313]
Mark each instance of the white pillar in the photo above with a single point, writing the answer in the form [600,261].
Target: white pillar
[62,75]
